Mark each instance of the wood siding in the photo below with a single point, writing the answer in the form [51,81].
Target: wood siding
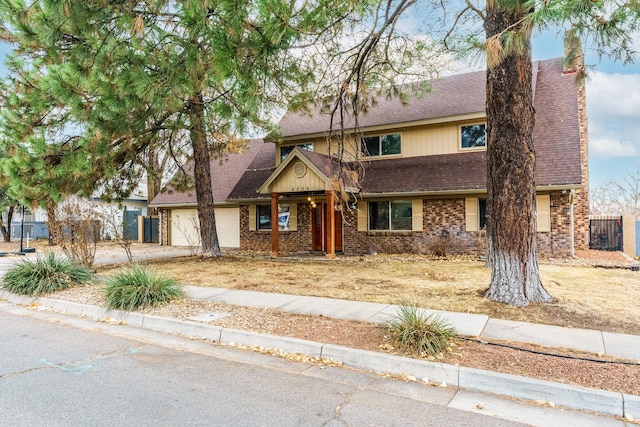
[288,182]
[426,140]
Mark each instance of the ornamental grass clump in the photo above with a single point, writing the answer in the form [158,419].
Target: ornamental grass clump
[140,287]
[45,275]
[415,332]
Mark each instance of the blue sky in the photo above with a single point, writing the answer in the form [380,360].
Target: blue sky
[613,108]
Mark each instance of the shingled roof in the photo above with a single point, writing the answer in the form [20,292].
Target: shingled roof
[450,96]
[227,174]
[556,135]
[556,140]
[426,174]
[260,168]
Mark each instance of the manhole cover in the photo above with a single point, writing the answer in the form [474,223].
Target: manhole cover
[210,317]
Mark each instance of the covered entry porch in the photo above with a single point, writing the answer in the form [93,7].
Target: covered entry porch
[309,179]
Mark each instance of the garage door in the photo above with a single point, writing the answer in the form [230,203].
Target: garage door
[185,231]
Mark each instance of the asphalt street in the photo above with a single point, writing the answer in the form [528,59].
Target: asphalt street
[55,374]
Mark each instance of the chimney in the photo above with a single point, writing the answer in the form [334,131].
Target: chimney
[573,56]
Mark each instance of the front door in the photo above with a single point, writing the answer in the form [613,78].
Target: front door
[319,229]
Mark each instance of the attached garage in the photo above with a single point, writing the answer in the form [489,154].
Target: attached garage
[184,230]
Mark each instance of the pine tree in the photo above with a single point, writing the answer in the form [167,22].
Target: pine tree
[503,30]
[109,77]
[511,189]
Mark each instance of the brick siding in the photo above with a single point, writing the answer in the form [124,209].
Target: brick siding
[443,232]
[164,226]
[289,241]
[581,197]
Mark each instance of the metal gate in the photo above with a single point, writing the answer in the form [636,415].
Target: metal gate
[151,229]
[605,234]
[130,224]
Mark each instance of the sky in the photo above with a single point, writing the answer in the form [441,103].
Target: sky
[613,109]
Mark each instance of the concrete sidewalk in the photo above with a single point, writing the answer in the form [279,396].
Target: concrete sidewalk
[473,325]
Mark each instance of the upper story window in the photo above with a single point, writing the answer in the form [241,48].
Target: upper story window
[473,136]
[285,150]
[381,145]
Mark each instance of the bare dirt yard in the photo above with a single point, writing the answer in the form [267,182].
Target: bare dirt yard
[591,292]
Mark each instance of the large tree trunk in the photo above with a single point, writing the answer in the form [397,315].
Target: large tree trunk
[202,178]
[153,178]
[6,229]
[55,228]
[511,194]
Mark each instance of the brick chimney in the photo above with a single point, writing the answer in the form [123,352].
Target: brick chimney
[573,55]
[573,64]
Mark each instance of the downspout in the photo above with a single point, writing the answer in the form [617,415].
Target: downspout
[571,226]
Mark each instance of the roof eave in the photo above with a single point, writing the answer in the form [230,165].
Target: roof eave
[265,188]
[469,191]
[226,202]
[385,127]
[558,187]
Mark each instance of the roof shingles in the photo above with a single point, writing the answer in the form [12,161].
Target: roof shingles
[556,139]
[225,175]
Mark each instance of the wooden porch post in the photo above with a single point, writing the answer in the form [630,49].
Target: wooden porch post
[275,252]
[331,226]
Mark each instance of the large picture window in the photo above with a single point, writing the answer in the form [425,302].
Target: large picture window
[287,149]
[473,136]
[395,215]
[264,217]
[381,145]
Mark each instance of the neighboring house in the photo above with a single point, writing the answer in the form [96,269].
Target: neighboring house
[424,183]
[125,212]
[33,227]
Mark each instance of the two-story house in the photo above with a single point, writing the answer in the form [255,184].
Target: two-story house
[422,186]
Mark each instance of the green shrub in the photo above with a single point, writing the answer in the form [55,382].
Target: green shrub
[415,332]
[140,287]
[44,275]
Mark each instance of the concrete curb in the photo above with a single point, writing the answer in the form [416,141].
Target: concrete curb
[431,372]
[588,399]
[580,398]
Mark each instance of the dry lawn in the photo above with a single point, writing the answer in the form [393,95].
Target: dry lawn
[587,297]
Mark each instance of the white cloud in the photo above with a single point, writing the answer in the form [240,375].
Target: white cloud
[606,147]
[614,97]
[613,108]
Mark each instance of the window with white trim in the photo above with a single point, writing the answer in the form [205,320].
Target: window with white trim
[381,145]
